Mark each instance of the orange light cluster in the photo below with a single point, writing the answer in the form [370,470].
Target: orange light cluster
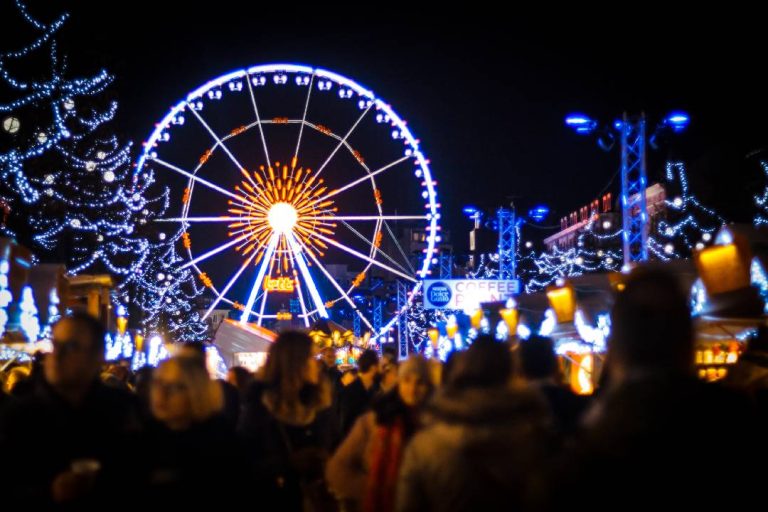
[206,280]
[292,185]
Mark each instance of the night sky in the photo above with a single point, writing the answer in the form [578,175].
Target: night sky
[485,93]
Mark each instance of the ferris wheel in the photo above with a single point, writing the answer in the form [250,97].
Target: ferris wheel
[298,192]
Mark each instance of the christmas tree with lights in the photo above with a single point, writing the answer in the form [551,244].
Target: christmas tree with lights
[67,187]
[66,184]
[688,225]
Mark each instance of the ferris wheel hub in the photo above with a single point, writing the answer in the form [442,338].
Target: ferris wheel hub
[282,218]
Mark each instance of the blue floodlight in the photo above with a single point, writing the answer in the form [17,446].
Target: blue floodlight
[581,123]
[538,213]
[678,121]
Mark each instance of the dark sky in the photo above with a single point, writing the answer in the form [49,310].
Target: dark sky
[486,93]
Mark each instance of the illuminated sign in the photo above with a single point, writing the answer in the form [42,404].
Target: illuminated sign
[253,361]
[283,315]
[278,284]
[467,294]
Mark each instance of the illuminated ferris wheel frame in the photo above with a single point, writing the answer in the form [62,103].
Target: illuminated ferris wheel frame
[271,225]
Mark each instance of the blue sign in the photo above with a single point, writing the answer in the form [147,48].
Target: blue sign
[467,294]
[439,294]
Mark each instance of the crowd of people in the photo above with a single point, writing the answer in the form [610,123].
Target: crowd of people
[492,428]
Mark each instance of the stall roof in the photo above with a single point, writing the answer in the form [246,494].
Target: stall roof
[233,337]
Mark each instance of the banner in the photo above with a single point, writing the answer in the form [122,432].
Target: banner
[467,294]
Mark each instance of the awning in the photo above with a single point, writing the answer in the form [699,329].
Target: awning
[233,337]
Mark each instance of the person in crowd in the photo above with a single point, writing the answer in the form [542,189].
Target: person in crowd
[389,375]
[288,427]
[196,351]
[77,425]
[36,376]
[189,454]
[356,398]
[348,377]
[538,363]
[363,472]
[15,377]
[750,373]
[656,432]
[241,378]
[483,440]
[330,367]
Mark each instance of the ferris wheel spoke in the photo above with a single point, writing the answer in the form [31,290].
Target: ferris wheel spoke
[265,294]
[399,247]
[337,286]
[229,284]
[216,250]
[319,305]
[376,233]
[373,246]
[300,293]
[206,219]
[258,119]
[259,278]
[341,143]
[365,258]
[224,147]
[199,180]
[364,178]
[354,218]
[191,188]
[303,120]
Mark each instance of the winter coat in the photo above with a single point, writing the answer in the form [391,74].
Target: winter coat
[41,434]
[202,464]
[354,400]
[288,457]
[660,440]
[363,472]
[477,452]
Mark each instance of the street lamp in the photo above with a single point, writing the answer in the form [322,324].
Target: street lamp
[506,222]
[632,131]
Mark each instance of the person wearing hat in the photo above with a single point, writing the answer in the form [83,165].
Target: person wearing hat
[364,470]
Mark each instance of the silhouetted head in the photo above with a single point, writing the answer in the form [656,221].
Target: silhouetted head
[651,328]
[78,351]
[537,358]
[368,362]
[487,363]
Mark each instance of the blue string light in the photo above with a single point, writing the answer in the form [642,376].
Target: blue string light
[761,201]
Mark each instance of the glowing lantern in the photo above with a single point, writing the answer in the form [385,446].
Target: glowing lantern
[476,318]
[434,336]
[581,375]
[122,325]
[511,318]
[724,268]
[562,299]
[139,343]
